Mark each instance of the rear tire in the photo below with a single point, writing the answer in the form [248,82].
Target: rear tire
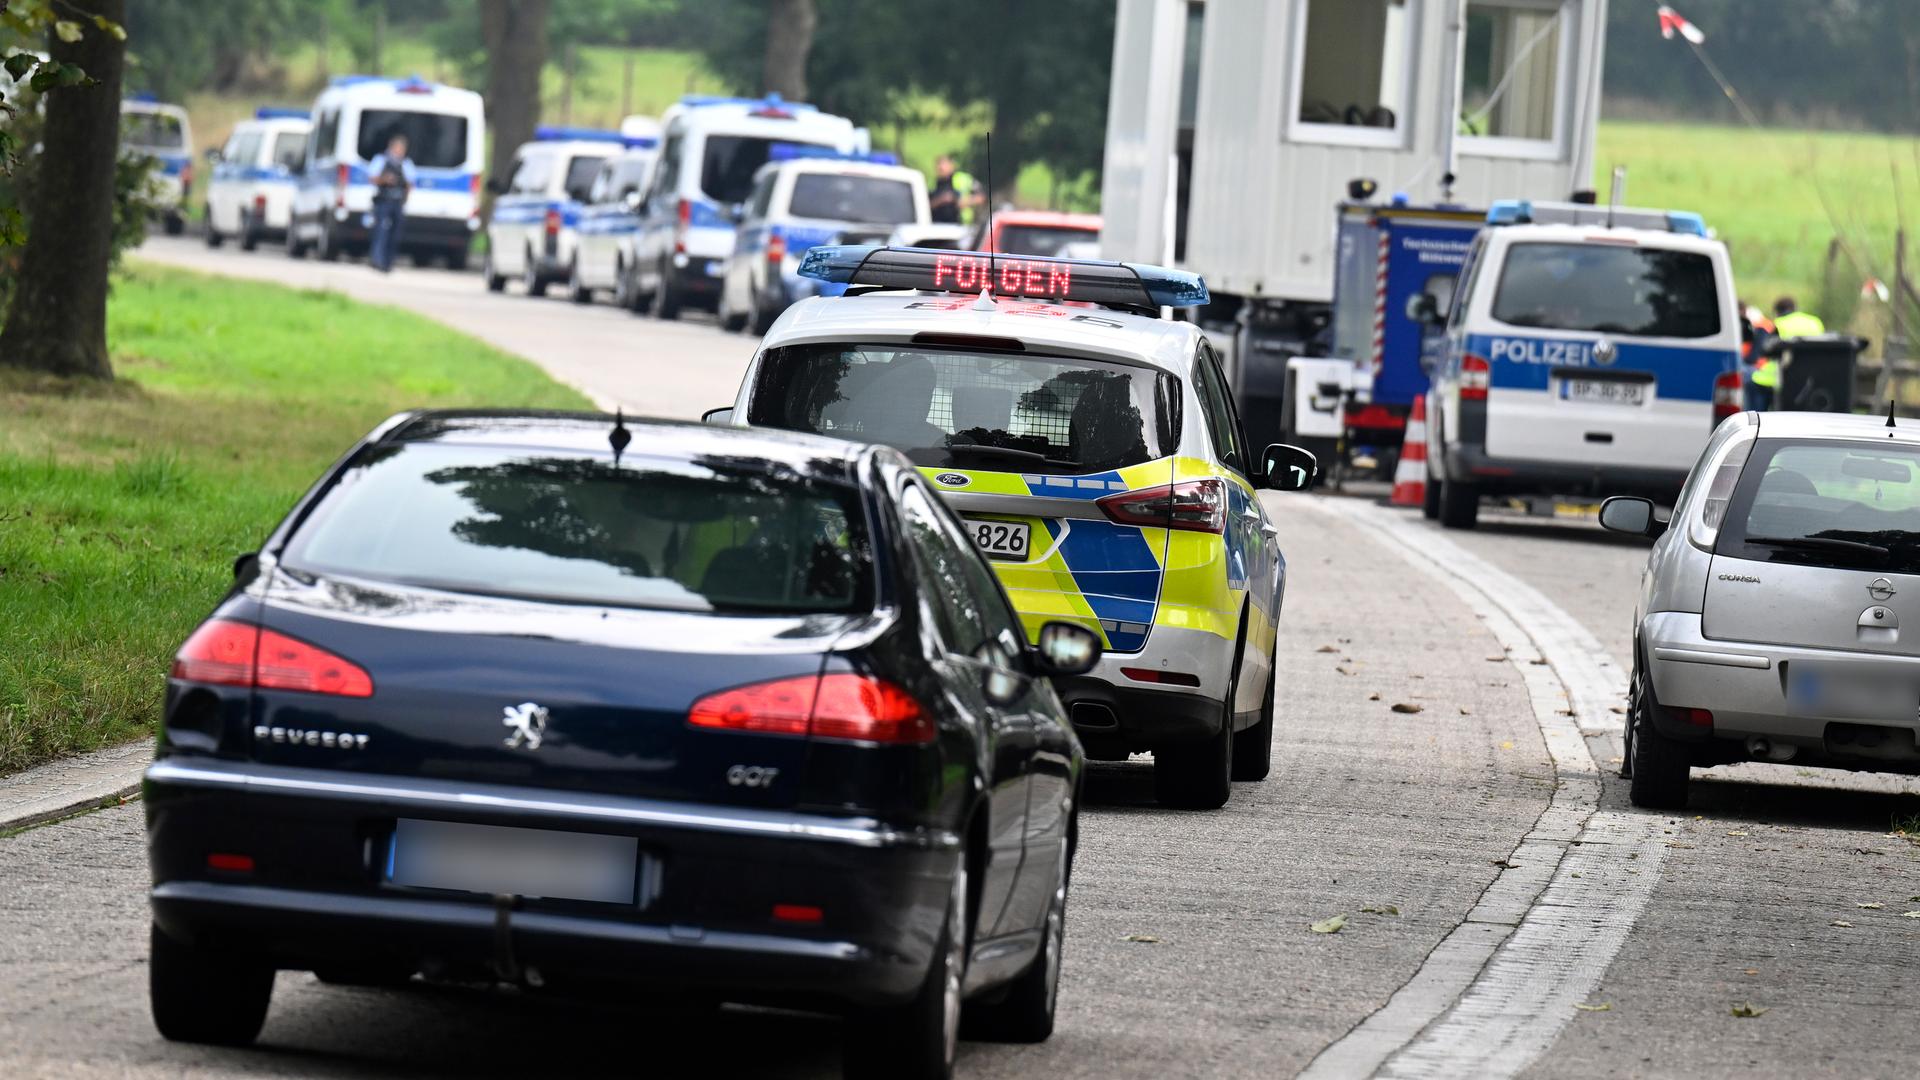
[1459,505]
[200,996]
[916,1041]
[1253,748]
[1430,498]
[731,321]
[496,281]
[1025,1013]
[174,224]
[577,292]
[213,235]
[530,278]
[295,249]
[1197,775]
[1657,765]
[623,286]
[759,321]
[249,233]
[666,298]
[457,260]
[326,249]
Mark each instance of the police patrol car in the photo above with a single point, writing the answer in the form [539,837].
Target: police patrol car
[534,233]
[250,189]
[1590,349]
[153,128]
[1095,457]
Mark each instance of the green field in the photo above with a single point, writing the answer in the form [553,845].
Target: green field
[122,507]
[1778,199]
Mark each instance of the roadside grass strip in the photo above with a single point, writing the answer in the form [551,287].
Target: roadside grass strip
[123,506]
[1497,991]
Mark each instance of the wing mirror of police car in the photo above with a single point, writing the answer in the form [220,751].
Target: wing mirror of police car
[1631,515]
[1288,468]
[721,417]
[1065,648]
[1423,308]
[632,200]
[496,186]
[213,155]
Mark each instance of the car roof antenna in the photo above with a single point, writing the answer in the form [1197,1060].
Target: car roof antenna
[619,437]
[985,302]
[1889,412]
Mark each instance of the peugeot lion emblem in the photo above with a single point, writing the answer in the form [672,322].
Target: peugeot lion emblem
[1604,352]
[529,724]
[1880,589]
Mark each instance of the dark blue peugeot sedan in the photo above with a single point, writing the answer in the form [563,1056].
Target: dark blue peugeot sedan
[556,700]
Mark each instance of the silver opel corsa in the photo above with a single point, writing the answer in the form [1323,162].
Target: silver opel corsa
[1769,621]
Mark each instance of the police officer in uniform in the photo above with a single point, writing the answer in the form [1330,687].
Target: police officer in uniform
[393,178]
[954,195]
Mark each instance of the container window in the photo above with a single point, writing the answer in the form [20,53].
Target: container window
[1355,60]
[1511,80]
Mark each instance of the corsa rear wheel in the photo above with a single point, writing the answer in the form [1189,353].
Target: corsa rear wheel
[1658,765]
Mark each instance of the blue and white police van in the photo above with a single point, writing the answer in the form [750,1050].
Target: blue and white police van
[1589,349]
[610,222]
[802,197]
[250,180]
[353,118]
[534,231]
[711,150]
[155,129]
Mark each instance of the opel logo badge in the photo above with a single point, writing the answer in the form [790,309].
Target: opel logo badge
[1604,352]
[1880,589]
[953,479]
[529,724]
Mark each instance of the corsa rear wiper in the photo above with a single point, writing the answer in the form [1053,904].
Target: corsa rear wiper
[984,450]
[1821,543]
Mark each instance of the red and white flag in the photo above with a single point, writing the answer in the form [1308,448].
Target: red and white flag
[1672,22]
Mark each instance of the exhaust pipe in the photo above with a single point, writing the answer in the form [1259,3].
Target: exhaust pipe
[1760,747]
[1093,715]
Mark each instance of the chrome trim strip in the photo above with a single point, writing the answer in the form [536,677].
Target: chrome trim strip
[1700,656]
[268,779]
[976,502]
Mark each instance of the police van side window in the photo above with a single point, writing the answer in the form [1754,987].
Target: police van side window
[1221,425]
[763,195]
[531,177]
[666,178]
[1469,273]
[325,134]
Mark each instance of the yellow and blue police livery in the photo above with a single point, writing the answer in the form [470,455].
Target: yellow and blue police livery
[1091,450]
[1590,350]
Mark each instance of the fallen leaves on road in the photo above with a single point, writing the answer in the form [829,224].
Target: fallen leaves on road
[1506,864]
[1142,939]
[1842,923]
[1508,745]
[1407,707]
[1387,909]
[1464,711]
[1375,696]
[1910,914]
[1330,926]
[1344,670]
[1870,906]
[1326,648]
[1736,832]
[1496,659]
[1752,971]
[1605,1006]
[1747,1010]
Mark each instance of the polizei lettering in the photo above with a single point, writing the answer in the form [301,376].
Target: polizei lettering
[293,736]
[1532,351]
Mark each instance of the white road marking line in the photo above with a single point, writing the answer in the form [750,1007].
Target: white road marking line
[1498,990]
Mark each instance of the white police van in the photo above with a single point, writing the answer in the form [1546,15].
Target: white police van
[352,120]
[155,129]
[534,231]
[712,148]
[1589,349]
[802,197]
[251,179]
[610,222]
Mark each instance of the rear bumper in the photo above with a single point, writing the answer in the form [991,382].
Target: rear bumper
[1125,713]
[1470,463]
[1745,687]
[317,895]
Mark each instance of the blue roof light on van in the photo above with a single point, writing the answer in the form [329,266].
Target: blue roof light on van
[770,103]
[557,133]
[1131,285]
[782,151]
[1528,212]
[275,112]
[1686,221]
[144,97]
[1510,212]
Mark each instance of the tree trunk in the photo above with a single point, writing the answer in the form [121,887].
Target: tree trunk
[515,34]
[58,319]
[789,39]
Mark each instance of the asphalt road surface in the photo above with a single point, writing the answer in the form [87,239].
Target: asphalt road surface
[1507,911]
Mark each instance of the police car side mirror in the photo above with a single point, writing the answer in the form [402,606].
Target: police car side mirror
[737,212]
[721,417]
[1065,649]
[632,200]
[1631,515]
[1423,308]
[1288,468]
[213,155]
[496,186]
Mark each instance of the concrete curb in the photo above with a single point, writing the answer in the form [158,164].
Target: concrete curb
[70,785]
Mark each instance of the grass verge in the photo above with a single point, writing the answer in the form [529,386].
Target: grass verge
[123,506]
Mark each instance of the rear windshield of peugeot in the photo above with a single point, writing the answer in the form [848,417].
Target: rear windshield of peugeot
[1834,503]
[1609,289]
[434,140]
[706,535]
[1001,412]
[728,163]
[863,199]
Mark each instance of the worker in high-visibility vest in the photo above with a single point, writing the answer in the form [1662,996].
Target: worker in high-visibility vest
[955,194]
[1788,322]
[1756,333]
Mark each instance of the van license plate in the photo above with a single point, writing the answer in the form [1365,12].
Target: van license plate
[1000,539]
[1605,391]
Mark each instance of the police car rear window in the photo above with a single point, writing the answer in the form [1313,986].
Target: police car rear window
[154,131]
[1000,412]
[704,535]
[434,140]
[1609,289]
[728,163]
[1042,239]
[863,199]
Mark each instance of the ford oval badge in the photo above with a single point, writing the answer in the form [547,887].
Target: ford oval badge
[953,479]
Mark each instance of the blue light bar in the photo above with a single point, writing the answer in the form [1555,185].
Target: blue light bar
[145,97]
[1014,277]
[275,112]
[771,101]
[782,151]
[1510,212]
[556,133]
[1686,221]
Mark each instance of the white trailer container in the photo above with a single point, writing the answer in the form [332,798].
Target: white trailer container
[1257,114]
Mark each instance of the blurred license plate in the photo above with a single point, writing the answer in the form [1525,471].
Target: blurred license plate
[1000,539]
[1848,692]
[521,862]
[1606,391]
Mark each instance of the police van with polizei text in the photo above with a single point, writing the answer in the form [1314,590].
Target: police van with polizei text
[153,128]
[534,231]
[1093,455]
[1589,349]
[250,185]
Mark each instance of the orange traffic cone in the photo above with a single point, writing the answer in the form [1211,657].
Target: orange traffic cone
[1410,476]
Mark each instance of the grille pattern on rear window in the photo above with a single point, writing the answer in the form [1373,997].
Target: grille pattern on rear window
[1042,412]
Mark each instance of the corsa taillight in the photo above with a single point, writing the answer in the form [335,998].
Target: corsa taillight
[1198,505]
[1726,395]
[235,654]
[840,706]
[1475,376]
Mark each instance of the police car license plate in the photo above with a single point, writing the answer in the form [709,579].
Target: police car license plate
[1000,539]
[1605,391]
[496,859]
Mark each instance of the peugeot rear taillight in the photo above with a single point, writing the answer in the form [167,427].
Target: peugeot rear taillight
[231,653]
[1726,395]
[1197,505]
[1476,375]
[840,706]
